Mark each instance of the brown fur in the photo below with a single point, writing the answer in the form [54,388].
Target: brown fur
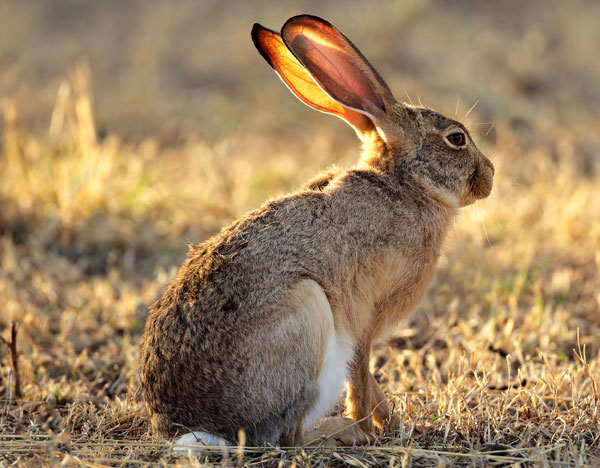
[232,343]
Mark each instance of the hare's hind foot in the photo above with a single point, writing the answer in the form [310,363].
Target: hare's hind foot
[336,432]
[196,443]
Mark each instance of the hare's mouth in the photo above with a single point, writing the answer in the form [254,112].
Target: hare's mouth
[482,179]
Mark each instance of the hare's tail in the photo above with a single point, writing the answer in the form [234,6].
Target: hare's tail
[194,443]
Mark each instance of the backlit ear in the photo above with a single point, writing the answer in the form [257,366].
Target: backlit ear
[300,82]
[337,65]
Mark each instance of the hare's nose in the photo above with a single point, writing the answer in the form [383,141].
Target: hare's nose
[485,164]
[489,164]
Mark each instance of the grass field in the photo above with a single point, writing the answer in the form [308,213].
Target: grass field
[130,128]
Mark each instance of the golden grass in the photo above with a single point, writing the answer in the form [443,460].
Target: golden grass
[499,367]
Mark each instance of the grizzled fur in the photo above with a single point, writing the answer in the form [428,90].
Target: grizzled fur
[223,350]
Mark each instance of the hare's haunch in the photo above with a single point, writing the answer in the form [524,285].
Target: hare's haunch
[266,321]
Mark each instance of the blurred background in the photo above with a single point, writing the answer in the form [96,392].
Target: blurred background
[177,70]
[130,128]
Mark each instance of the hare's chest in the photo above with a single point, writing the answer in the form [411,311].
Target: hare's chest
[400,278]
[401,293]
[387,287]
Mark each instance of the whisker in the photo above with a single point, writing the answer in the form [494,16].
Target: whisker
[491,126]
[457,103]
[487,238]
[419,98]
[409,99]
[471,109]
[481,133]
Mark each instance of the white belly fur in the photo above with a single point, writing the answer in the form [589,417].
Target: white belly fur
[333,375]
[339,351]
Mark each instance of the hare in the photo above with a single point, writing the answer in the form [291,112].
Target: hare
[266,321]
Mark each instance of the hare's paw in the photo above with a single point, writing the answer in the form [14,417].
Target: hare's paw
[383,417]
[197,443]
[336,432]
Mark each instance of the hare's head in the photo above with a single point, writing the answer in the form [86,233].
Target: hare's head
[327,72]
[441,155]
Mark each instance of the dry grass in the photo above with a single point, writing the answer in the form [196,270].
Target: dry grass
[94,218]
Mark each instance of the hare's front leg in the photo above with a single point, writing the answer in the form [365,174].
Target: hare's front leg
[381,412]
[366,402]
[358,400]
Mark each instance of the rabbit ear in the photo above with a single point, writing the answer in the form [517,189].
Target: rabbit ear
[299,81]
[337,65]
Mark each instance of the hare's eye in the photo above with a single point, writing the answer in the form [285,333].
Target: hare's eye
[457,139]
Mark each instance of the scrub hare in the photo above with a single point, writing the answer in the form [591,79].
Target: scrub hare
[266,321]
